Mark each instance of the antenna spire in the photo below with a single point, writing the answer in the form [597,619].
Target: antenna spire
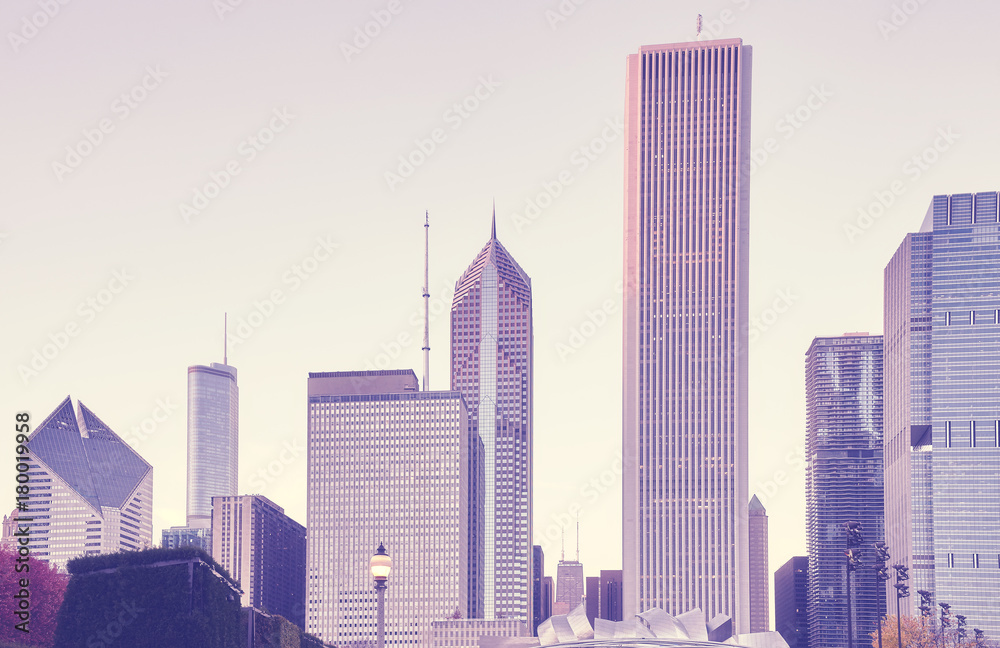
[225,338]
[493,230]
[562,554]
[427,308]
[577,537]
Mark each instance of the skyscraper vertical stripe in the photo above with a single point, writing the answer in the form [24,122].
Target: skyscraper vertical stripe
[685,329]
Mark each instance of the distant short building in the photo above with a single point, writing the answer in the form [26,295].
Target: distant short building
[790,594]
[611,595]
[466,633]
[760,612]
[537,577]
[548,599]
[569,586]
[183,536]
[7,539]
[593,598]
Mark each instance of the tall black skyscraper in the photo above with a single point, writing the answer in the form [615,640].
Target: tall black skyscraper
[790,586]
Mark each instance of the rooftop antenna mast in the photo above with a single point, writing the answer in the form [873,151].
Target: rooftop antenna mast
[577,537]
[699,27]
[225,338]
[427,307]
[562,555]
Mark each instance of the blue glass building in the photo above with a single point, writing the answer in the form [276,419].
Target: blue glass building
[950,415]
[213,439]
[844,482]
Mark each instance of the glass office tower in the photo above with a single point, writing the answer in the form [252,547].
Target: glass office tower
[686,323]
[909,528]
[213,439]
[945,421]
[843,484]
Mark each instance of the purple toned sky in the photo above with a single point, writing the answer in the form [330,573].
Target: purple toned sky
[268,90]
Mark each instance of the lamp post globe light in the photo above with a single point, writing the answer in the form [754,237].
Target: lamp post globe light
[381,565]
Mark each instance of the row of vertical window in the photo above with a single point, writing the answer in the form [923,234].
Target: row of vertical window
[977,562]
[971,317]
[961,209]
[951,438]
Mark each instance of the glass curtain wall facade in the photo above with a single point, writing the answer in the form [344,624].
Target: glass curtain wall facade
[844,483]
[965,405]
[942,296]
[790,585]
[387,464]
[611,594]
[685,325]
[491,365]
[537,574]
[213,438]
[909,529]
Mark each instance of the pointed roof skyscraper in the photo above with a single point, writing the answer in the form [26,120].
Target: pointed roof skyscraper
[491,365]
[95,484]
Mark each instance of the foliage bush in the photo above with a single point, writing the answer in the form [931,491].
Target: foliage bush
[46,587]
[139,606]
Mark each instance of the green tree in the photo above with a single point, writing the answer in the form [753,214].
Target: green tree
[920,633]
[46,588]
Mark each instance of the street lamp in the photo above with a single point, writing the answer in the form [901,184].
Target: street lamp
[381,565]
[945,621]
[853,555]
[902,591]
[881,575]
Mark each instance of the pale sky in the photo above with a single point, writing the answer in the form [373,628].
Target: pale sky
[290,119]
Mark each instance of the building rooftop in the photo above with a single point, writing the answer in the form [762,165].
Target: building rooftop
[86,454]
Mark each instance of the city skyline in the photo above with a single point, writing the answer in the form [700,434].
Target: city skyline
[155,311]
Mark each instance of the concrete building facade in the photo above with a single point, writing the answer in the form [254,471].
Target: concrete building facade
[387,464]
